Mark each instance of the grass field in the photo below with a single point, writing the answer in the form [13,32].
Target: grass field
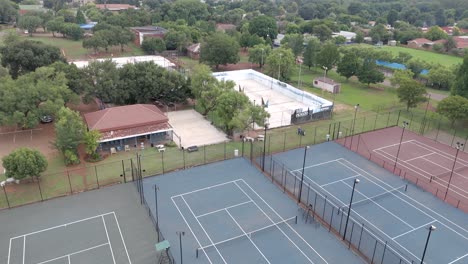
[428,56]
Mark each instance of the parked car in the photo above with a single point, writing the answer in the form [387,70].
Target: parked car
[192,149]
[46,119]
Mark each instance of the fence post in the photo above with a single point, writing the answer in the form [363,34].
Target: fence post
[351,236]
[162,161]
[454,134]
[284,142]
[398,119]
[183,157]
[69,182]
[363,125]
[373,254]
[243,148]
[383,254]
[97,178]
[6,196]
[360,237]
[224,150]
[204,154]
[315,134]
[375,122]
[40,190]
[133,171]
[438,128]
[339,127]
[123,173]
[331,219]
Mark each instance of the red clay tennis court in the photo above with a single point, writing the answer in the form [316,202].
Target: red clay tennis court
[425,162]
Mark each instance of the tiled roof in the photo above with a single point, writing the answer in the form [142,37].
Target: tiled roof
[125,117]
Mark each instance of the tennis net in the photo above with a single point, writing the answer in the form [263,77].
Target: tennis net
[291,220]
[448,173]
[374,198]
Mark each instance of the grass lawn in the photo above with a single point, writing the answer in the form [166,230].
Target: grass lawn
[74,50]
[428,56]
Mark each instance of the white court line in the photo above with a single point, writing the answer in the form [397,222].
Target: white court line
[414,229]
[424,176]
[274,211]
[415,201]
[459,258]
[315,165]
[448,169]
[365,219]
[442,153]
[333,182]
[383,208]
[222,209]
[121,236]
[108,240]
[63,225]
[196,238]
[74,253]
[392,145]
[419,157]
[248,237]
[206,188]
[206,233]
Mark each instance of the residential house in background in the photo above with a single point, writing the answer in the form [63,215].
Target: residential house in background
[147,32]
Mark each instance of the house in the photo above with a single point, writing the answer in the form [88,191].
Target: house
[132,125]
[327,84]
[115,7]
[224,27]
[347,34]
[420,43]
[193,51]
[147,32]
[462,42]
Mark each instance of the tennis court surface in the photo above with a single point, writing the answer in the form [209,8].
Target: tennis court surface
[230,213]
[105,226]
[422,161]
[397,212]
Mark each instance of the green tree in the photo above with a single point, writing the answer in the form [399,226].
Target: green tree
[403,57]
[176,40]
[348,65]
[219,49]
[21,57]
[399,76]
[94,42]
[323,32]
[24,162]
[280,63]
[460,86]
[248,116]
[454,108]
[259,53]
[72,31]
[450,44]
[295,42]
[441,77]
[359,37]
[411,92]
[153,45]
[263,26]
[392,17]
[80,18]
[328,56]
[91,141]
[55,25]
[230,103]
[8,11]
[368,73]
[29,23]
[123,37]
[32,95]
[103,80]
[436,33]
[69,130]
[379,33]
[311,52]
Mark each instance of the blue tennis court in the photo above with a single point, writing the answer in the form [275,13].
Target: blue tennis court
[230,213]
[397,212]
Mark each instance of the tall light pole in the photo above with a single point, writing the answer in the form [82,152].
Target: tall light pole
[405,124]
[156,204]
[180,233]
[264,146]
[261,65]
[302,175]
[279,66]
[459,146]
[356,108]
[356,181]
[431,228]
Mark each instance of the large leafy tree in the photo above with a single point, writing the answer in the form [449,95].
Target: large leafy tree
[441,77]
[153,45]
[328,56]
[460,85]
[188,10]
[8,11]
[24,162]
[91,141]
[295,42]
[80,18]
[348,65]
[454,108]
[263,26]
[21,57]
[280,63]
[32,95]
[69,130]
[368,73]
[436,33]
[230,104]
[259,53]
[219,49]
[411,92]
[399,76]
[123,37]
[102,79]
[55,25]
[311,52]
[29,23]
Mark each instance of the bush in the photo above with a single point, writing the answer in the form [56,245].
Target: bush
[71,158]
[171,144]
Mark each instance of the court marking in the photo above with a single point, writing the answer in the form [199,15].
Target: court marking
[414,229]
[341,160]
[108,240]
[347,178]
[74,253]
[65,225]
[226,209]
[402,164]
[222,209]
